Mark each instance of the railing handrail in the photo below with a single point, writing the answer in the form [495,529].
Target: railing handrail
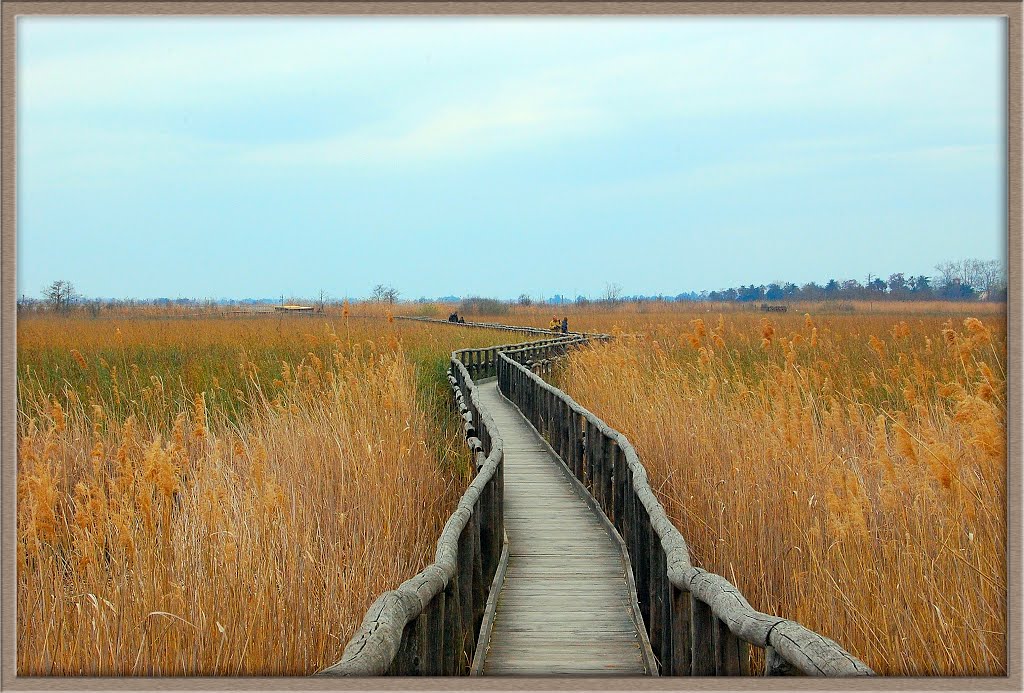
[498,326]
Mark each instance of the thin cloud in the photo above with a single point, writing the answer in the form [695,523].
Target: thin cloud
[469,129]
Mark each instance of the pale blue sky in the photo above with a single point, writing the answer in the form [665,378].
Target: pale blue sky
[236,157]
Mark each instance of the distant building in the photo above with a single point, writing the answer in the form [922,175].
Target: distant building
[290,308]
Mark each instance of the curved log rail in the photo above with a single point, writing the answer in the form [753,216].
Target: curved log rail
[698,623]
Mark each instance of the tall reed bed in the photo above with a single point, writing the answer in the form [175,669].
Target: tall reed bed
[848,472]
[223,497]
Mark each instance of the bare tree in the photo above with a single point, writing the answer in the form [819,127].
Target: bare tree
[321,301]
[612,292]
[60,295]
[986,276]
[382,293]
[949,273]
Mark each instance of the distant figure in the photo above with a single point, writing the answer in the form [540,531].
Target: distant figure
[454,317]
[555,325]
[462,320]
[565,325]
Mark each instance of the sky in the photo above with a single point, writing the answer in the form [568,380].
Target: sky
[268,156]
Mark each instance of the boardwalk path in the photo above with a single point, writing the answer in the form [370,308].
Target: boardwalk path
[560,600]
[565,606]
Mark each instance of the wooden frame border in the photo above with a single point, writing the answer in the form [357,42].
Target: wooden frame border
[9,12]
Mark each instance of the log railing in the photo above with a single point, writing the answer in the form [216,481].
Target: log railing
[508,328]
[430,624]
[697,622]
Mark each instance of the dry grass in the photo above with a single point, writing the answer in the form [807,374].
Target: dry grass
[223,497]
[846,471]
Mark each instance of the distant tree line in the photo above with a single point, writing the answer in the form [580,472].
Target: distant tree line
[964,280]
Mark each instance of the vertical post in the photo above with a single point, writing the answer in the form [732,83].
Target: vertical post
[680,620]
[465,648]
[643,563]
[452,628]
[731,654]
[593,445]
[611,449]
[549,406]
[559,427]
[570,440]
[618,486]
[499,509]
[564,432]
[629,518]
[662,603]
[702,653]
[408,661]
[432,646]
[654,621]
[487,533]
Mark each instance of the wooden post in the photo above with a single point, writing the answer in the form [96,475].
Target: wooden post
[581,448]
[680,620]
[628,515]
[408,661]
[559,427]
[654,600]
[549,405]
[618,486]
[731,654]
[432,646]
[588,461]
[611,449]
[563,412]
[450,658]
[573,434]
[499,509]
[643,563]
[660,623]
[702,651]
[479,586]
[465,582]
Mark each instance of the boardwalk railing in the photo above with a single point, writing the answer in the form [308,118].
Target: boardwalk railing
[508,328]
[429,625]
[697,622]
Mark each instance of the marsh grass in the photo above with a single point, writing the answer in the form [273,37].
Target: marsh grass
[221,497]
[845,471]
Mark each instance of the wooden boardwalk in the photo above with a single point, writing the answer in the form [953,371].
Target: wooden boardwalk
[565,607]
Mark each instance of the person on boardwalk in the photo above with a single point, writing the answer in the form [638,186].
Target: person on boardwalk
[565,325]
[454,317]
[555,325]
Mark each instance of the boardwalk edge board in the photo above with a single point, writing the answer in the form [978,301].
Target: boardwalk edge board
[488,622]
[697,623]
